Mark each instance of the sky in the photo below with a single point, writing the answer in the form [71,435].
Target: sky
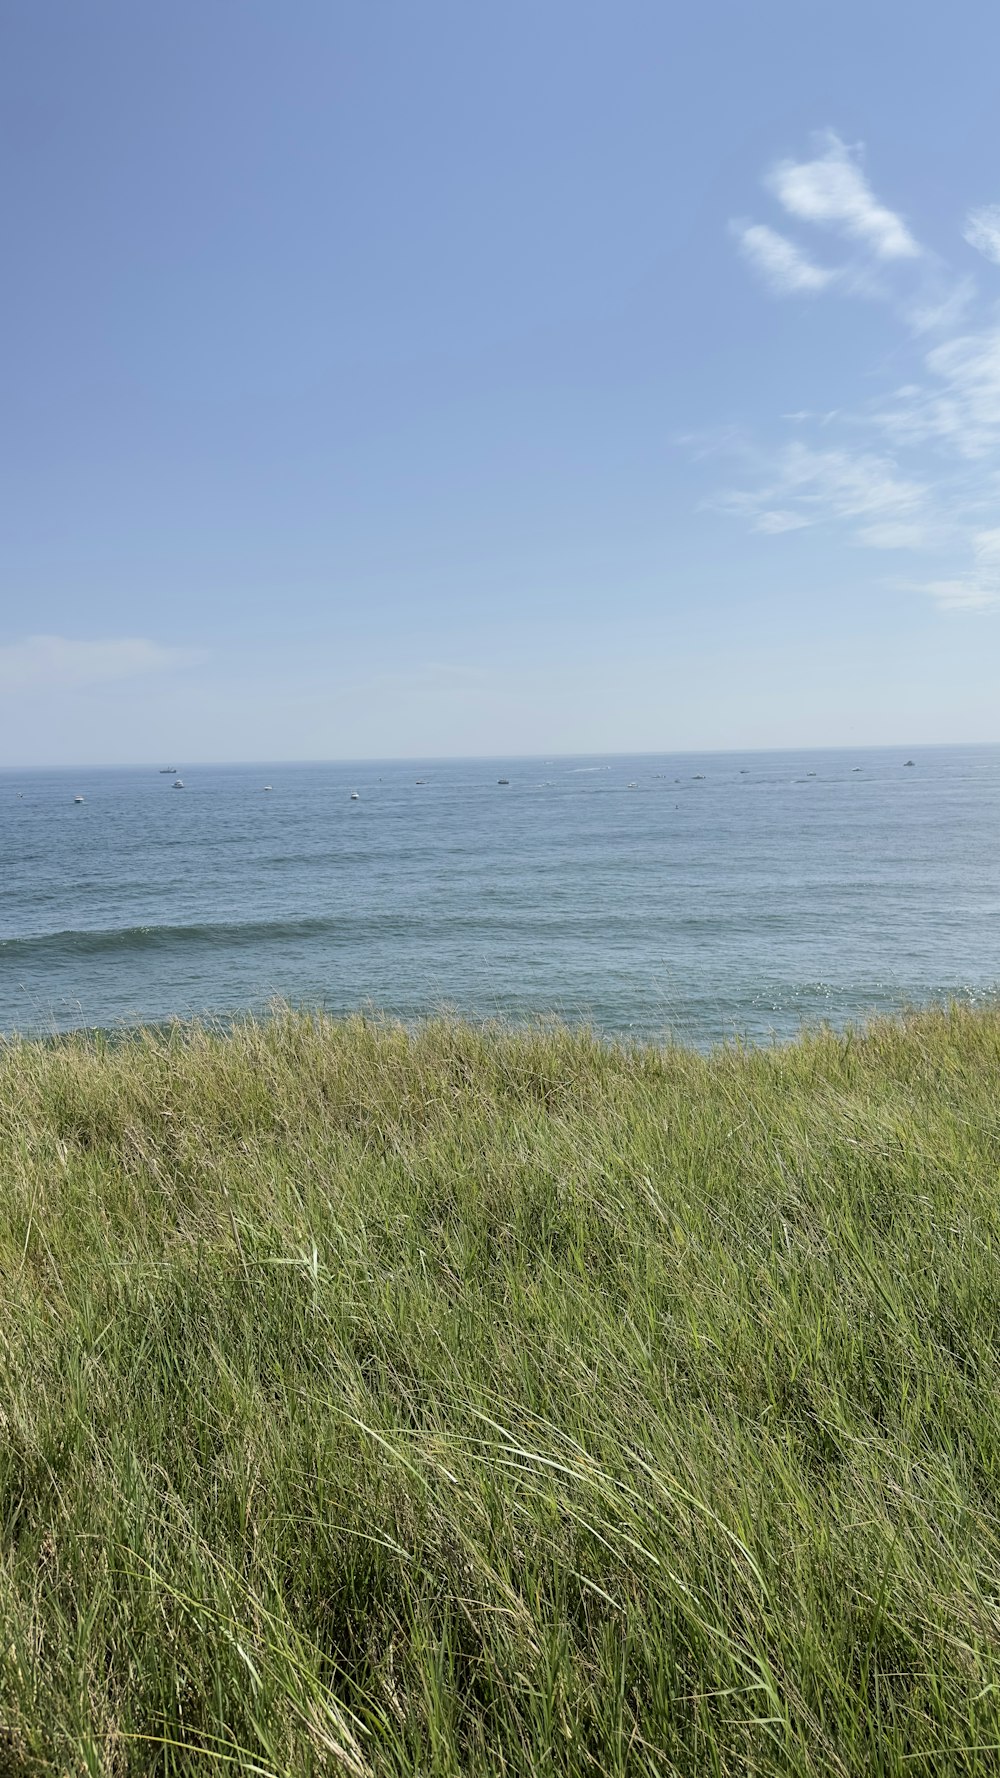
[386,380]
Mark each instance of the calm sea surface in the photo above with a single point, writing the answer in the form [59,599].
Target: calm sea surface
[699,896]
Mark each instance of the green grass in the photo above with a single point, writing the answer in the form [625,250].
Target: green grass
[469,1402]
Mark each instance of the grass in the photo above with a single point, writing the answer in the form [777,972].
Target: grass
[461,1401]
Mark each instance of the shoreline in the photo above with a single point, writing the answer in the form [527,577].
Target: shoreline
[497,1026]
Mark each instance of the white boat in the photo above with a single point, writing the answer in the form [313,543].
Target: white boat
[78,799]
[178,784]
[355,797]
[268,787]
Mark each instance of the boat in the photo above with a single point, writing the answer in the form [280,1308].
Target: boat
[268,787]
[178,784]
[420,780]
[355,797]
[503,780]
[165,771]
[908,762]
[78,799]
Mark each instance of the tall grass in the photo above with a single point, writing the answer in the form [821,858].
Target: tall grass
[460,1401]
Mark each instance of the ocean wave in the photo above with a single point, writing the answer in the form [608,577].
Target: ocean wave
[486,924]
[95,941]
[345,929]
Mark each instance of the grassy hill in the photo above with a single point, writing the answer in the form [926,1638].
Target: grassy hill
[470,1402]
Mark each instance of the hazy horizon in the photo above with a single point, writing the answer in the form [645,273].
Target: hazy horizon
[428,759]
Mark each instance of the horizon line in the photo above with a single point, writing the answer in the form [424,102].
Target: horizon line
[493,758]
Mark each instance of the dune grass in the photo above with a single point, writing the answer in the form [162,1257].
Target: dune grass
[463,1401]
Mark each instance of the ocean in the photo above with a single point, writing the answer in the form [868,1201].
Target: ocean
[694,897]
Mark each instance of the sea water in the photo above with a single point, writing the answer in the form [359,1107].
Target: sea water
[694,896]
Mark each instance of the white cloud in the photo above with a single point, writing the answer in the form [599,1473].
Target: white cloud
[956,595]
[982,231]
[832,191]
[784,267]
[885,264]
[772,523]
[939,304]
[44,661]
[960,407]
[934,486]
[809,487]
[979,588]
[893,535]
[803,414]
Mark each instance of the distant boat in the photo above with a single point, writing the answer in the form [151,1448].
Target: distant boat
[503,780]
[178,784]
[268,787]
[165,771]
[632,786]
[78,799]
[698,775]
[907,762]
[355,797]
[420,780]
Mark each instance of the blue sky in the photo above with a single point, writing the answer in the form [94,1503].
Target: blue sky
[385,379]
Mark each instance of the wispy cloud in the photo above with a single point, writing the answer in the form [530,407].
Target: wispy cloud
[939,303]
[898,534]
[774,520]
[780,263]
[884,262]
[804,414]
[44,661]
[931,484]
[958,406]
[831,191]
[982,231]
[806,487]
[979,588]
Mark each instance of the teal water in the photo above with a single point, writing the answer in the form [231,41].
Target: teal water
[697,896]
